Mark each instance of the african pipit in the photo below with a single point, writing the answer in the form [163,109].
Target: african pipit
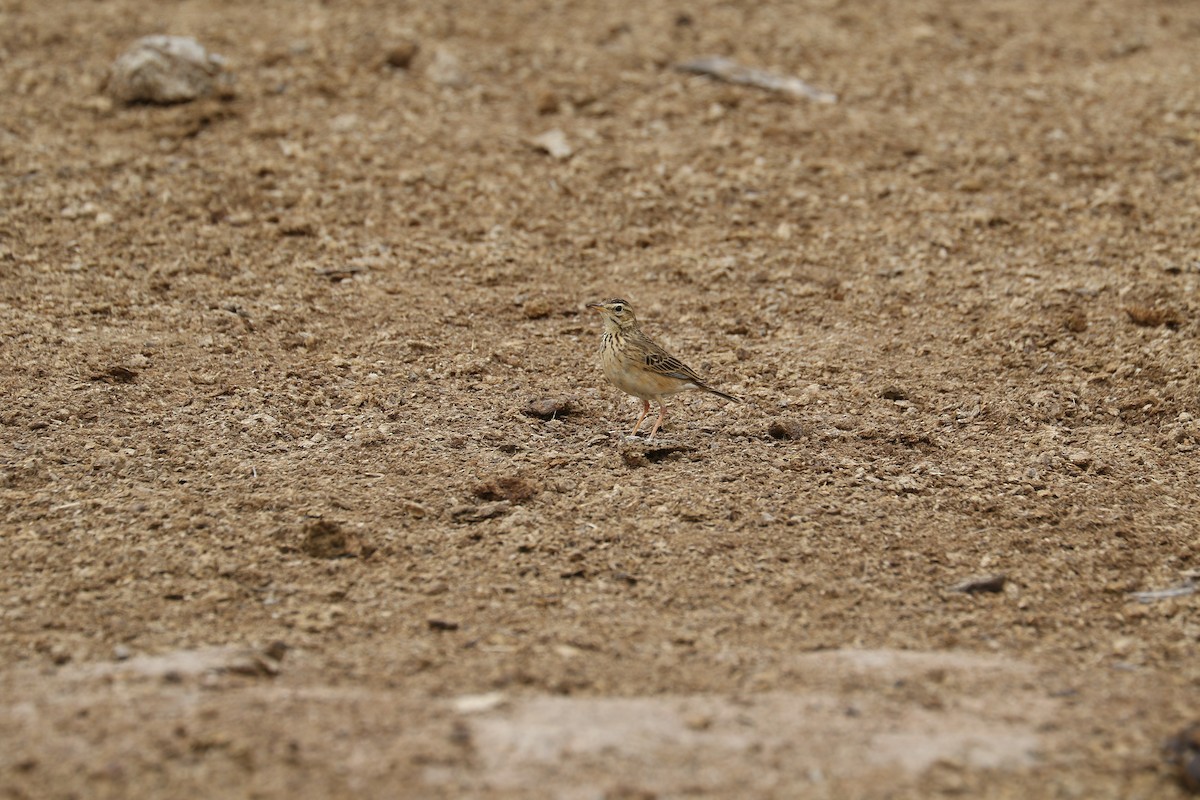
[636,365]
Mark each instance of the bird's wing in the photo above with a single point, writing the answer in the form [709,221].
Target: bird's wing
[662,362]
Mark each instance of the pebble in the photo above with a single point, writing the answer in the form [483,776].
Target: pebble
[785,429]
[401,54]
[537,308]
[554,143]
[1183,751]
[446,70]
[327,539]
[478,513]
[163,70]
[548,408]
[991,583]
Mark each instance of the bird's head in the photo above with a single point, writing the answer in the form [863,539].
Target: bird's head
[617,313]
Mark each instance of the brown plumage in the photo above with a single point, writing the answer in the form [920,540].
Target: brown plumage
[637,365]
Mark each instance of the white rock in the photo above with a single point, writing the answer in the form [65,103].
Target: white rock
[553,142]
[479,703]
[164,70]
[446,69]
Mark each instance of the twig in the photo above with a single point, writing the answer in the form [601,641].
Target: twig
[1182,590]
[732,72]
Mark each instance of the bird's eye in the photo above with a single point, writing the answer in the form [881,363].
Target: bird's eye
[618,308]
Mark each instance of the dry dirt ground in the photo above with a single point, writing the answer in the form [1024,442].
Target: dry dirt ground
[278,519]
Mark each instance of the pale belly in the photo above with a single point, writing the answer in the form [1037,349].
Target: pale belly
[640,382]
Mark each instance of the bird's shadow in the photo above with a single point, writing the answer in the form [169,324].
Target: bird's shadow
[638,451]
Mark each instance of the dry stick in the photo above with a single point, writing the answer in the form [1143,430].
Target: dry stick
[1182,590]
[732,72]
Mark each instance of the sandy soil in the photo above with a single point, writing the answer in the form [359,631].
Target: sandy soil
[311,486]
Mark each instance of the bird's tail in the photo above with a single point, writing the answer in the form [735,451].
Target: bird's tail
[719,393]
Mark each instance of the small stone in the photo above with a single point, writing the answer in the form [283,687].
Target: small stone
[401,54]
[785,429]
[446,70]
[77,211]
[554,143]
[548,408]
[256,663]
[414,508]
[344,123]
[1153,317]
[276,650]
[537,308]
[1183,752]
[163,70]
[479,703]
[547,103]
[117,374]
[991,584]
[633,456]
[297,225]
[469,513]
[509,487]
[327,539]
[1080,458]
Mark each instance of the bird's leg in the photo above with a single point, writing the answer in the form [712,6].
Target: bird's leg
[662,414]
[645,411]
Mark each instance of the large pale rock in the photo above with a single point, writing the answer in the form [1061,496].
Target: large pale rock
[164,70]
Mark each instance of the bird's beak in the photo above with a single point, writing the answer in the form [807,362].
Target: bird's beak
[597,306]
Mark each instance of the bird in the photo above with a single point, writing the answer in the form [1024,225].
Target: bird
[639,366]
